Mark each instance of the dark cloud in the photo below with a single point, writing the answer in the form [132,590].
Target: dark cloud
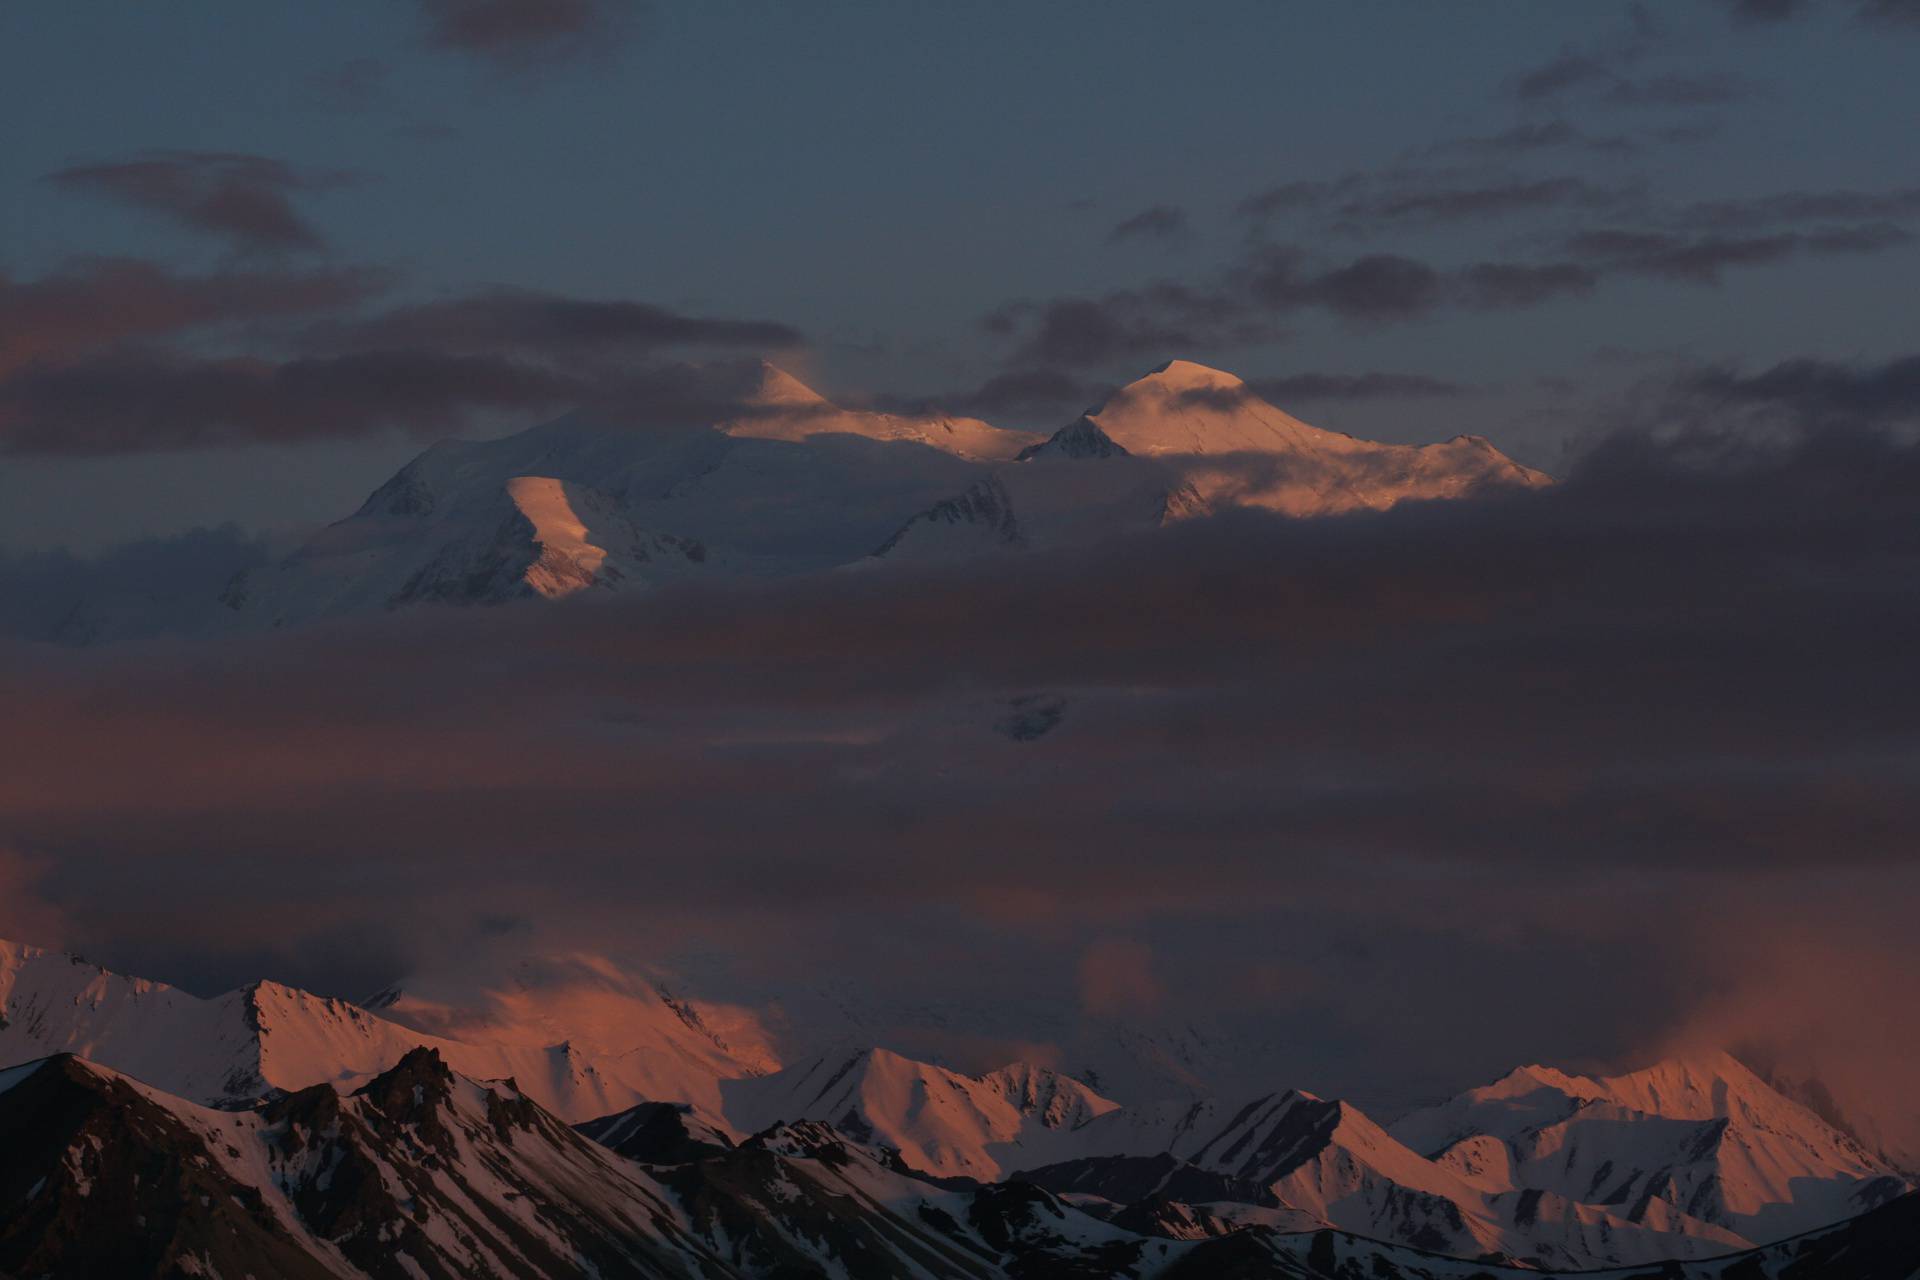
[1397,197]
[551,325]
[1773,11]
[1457,203]
[1536,136]
[1381,288]
[1378,287]
[1699,90]
[1819,392]
[143,401]
[1693,244]
[1602,61]
[1161,222]
[1790,207]
[1124,325]
[1305,387]
[146,402]
[1015,393]
[1368,290]
[1703,259]
[1891,11]
[1289,197]
[1403,196]
[1499,286]
[518,34]
[96,302]
[1613,69]
[245,199]
[1567,71]
[86,367]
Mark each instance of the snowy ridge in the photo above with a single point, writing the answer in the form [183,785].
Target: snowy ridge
[268,1038]
[423,1172]
[1188,441]
[1701,1137]
[940,1121]
[1297,1162]
[732,471]
[1688,1159]
[420,1172]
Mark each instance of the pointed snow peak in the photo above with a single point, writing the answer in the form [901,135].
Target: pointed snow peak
[1177,384]
[772,385]
[1186,374]
[1695,1085]
[1060,1101]
[1188,408]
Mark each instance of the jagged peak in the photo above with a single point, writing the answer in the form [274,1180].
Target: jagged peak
[1022,1069]
[1080,438]
[266,991]
[412,1087]
[71,1066]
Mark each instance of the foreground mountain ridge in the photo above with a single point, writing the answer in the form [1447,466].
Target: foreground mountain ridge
[424,1172]
[1689,1159]
[757,475]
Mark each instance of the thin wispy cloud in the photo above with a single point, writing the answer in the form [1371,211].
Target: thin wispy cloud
[247,200]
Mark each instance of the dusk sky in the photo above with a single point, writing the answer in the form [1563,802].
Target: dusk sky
[883,180]
[1405,797]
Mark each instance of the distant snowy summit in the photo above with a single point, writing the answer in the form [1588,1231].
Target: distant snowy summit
[1188,441]
[749,472]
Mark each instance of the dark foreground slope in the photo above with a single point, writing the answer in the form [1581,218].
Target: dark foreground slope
[423,1172]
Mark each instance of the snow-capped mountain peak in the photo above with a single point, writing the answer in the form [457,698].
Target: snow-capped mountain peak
[775,386]
[1700,1137]
[940,1121]
[1188,408]
[742,470]
[1187,441]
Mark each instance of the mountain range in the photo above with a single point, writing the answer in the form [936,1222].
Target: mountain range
[746,472]
[275,1132]
[568,1117]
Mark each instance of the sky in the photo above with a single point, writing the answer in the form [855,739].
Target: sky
[1582,774]
[936,202]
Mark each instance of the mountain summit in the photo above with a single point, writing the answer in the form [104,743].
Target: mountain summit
[743,470]
[1188,408]
[1186,441]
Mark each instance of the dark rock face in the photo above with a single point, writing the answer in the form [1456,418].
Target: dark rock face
[97,1180]
[985,504]
[1129,1180]
[407,494]
[1078,439]
[652,1133]
[394,1182]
